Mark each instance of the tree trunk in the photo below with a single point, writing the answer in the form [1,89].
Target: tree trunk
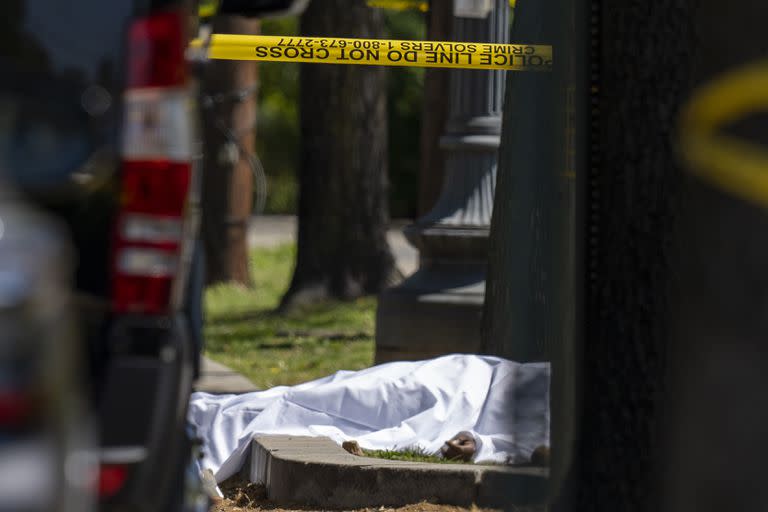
[530,304]
[343,214]
[435,113]
[522,285]
[229,121]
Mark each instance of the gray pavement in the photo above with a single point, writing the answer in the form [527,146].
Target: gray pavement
[219,379]
[273,230]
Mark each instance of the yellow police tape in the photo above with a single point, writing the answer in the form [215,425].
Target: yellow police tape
[333,50]
[406,5]
[399,5]
[732,164]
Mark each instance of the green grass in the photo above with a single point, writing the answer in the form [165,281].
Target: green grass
[415,454]
[243,333]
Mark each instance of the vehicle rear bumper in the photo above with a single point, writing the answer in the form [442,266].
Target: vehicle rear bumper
[143,406]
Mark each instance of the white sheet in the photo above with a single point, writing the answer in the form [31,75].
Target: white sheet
[391,406]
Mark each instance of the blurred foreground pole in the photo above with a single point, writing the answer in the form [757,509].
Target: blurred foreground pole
[435,110]
[437,310]
[639,71]
[229,120]
[716,431]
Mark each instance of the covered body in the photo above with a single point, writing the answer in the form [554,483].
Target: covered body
[505,405]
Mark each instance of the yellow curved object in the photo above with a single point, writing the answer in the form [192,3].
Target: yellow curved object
[734,165]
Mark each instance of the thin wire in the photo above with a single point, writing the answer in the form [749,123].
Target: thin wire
[237,96]
[254,162]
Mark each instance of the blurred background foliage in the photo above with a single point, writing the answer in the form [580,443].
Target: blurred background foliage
[278,140]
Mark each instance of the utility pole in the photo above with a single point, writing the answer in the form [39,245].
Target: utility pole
[229,136]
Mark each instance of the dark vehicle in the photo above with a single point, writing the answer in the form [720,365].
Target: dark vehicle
[98,129]
[46,432]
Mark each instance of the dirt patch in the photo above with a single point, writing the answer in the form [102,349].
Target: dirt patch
[243,496]
[230,506]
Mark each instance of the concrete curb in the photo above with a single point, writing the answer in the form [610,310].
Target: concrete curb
[315,471]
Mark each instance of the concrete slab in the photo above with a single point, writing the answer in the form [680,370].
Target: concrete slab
[315,471]
[219,379]
[406,256]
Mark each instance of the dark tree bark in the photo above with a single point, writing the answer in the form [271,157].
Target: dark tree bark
[435,113]
[522,285]
[343,214]
[228,178]
[530,308]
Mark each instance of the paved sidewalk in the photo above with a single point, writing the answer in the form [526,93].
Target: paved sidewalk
[273,230]
[219,379]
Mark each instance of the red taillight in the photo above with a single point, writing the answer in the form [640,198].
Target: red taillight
[15,407]
[142,294]
[157,45]
[155,187]
[156,173]
[112,478]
